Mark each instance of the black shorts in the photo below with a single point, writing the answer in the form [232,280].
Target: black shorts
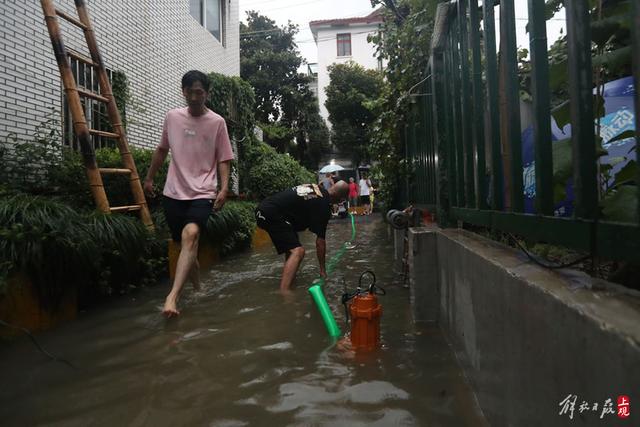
[182,212]
[282,234]
[364,200]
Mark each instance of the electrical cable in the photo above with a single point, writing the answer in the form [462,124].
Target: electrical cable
[38,346]
[542,264]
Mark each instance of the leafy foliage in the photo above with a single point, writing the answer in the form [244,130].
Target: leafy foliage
[407,30]
[273,172]
[29,164]
[350,94]
[286,109]
[122,94]
[61,250]
[232,227]
[611,59]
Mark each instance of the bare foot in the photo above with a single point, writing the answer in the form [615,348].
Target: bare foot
[170,309]
[287,295]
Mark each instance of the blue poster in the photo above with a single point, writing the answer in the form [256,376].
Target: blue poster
[619,117]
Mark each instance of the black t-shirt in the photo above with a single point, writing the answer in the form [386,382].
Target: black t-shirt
[303,208]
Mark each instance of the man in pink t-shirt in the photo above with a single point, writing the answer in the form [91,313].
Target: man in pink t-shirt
[200,156]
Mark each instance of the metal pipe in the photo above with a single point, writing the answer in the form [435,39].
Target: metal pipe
[541,107]
[585,185]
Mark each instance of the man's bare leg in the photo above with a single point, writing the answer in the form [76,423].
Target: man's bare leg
[194,275]
[188,255]
[293,258]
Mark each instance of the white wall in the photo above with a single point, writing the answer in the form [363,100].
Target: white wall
[152,42]
[362,53]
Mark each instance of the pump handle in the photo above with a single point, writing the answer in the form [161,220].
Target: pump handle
[372,286]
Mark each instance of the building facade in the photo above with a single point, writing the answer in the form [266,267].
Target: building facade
[152,43]
[340,41]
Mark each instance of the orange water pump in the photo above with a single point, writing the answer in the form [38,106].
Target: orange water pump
[365,314]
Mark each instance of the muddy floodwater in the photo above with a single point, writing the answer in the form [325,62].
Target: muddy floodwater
[241,355]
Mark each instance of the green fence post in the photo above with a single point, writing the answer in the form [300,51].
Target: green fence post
[581,97]
[493,131]
[457,118]
[541,107]
[467,114]
[411,189]
[512,100]
[478,105]
[431,135]
[449,117]
[440,118]
[451,123]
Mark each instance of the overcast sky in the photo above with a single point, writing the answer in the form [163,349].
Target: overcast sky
[301,12]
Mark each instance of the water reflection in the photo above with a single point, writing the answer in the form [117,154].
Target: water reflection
[239,355]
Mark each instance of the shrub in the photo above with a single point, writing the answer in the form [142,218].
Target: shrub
[232,227]
[45,239]
[270,172]
[27,164]
[70,183]
[60,249]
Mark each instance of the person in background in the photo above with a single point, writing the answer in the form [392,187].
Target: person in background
[365,191]
[327,181]
[353,196]
[283,214]
[200,163]
[371,198]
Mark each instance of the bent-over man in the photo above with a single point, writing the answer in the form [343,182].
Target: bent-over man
[283,214]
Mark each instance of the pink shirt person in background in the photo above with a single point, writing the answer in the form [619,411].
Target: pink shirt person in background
[198,178]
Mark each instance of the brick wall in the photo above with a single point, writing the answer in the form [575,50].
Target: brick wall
[152,41]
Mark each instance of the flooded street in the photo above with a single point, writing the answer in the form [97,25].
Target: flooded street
[240,355]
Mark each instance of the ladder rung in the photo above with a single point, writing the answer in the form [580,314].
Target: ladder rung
[71,19]
[126,208]
[103,133]
[92,95]
[115,171]
[81,58]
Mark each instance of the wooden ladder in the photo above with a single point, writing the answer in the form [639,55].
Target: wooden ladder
[82,131]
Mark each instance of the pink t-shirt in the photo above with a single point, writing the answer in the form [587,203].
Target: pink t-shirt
[197,145]
[353,190]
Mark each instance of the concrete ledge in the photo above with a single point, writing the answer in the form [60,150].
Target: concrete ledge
[398,244]
[21,307]
[423,275]
[527,336]
[260,238]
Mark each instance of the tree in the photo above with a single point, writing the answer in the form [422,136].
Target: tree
[351,91]
[402,42]
[286,109]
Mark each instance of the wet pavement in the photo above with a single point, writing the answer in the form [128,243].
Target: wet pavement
[241,355]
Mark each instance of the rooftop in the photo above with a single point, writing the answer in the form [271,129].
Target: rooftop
[372,18]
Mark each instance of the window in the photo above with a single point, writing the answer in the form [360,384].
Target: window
[344,44]
[95,111]
[210,14]
[195,9]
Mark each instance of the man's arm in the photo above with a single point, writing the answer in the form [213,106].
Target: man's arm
[157,160]
[321,250]
[223,172]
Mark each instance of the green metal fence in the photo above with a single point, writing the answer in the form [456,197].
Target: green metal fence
[420,148]
[458,119]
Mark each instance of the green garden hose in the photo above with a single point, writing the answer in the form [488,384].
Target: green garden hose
[316,286]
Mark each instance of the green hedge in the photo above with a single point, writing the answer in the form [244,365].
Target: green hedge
[268,172]
[232,228]
[61,249]
[68,180]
